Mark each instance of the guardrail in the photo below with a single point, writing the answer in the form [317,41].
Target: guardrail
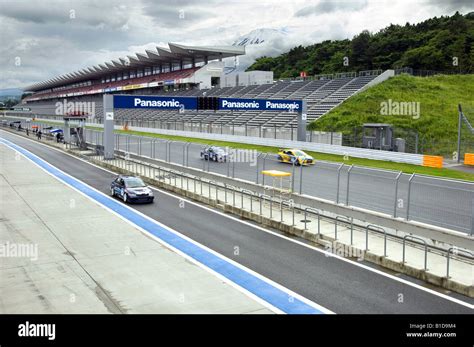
[421,240]
[348,220]
[314,211]
[471,254]
[370,73]
[376,229]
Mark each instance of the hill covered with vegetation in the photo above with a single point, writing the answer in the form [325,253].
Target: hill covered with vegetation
[436,124]
[434,44]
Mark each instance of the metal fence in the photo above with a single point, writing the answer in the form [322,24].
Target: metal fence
[417,143]
[409,158]
[288,132]
[284,132]
[285,211]
[436,201]
[427,73]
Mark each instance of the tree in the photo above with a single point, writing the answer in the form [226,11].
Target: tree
[429,45]
[362,55]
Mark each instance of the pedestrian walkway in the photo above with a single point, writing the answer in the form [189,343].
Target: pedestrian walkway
[61,253]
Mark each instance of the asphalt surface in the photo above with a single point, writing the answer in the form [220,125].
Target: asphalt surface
[444,203]
[335,284]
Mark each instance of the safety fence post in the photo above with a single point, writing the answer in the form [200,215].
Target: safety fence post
[409,195]
[338,182]
[397,179]
[348,181]
[419,239]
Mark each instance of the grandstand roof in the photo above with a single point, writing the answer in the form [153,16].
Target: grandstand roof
[176,53]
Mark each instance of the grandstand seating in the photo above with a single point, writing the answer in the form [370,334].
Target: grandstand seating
[321,95]
[168,76]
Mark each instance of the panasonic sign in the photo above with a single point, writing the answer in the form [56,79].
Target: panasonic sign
[227,104]
[260,104]
[291,106]
[190,103]
[158,102]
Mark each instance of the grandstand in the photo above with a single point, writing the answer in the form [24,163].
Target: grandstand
[191,71]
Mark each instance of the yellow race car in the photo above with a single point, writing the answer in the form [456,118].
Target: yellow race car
[295,156]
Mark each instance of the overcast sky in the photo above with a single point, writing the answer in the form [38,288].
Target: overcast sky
[42,39]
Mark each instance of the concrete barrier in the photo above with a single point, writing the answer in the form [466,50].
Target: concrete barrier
[433,161]
[469,159]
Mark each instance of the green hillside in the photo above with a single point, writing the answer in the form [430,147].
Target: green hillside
[438,97]
[442,44]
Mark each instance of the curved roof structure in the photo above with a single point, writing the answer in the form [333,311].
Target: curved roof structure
[176,53]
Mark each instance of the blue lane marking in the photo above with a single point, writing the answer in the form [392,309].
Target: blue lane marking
[265,291]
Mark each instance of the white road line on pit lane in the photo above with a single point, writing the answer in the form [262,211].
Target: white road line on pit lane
[291,294]
[327,253]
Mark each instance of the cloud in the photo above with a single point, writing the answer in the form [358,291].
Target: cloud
[85,13]
[52,37]
[325,7]
[453,5]
[177,13]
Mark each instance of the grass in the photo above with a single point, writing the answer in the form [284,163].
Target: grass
[438,97]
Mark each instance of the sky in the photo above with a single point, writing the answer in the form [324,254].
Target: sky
[41,39]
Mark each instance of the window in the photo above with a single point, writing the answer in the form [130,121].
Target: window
[134,182]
